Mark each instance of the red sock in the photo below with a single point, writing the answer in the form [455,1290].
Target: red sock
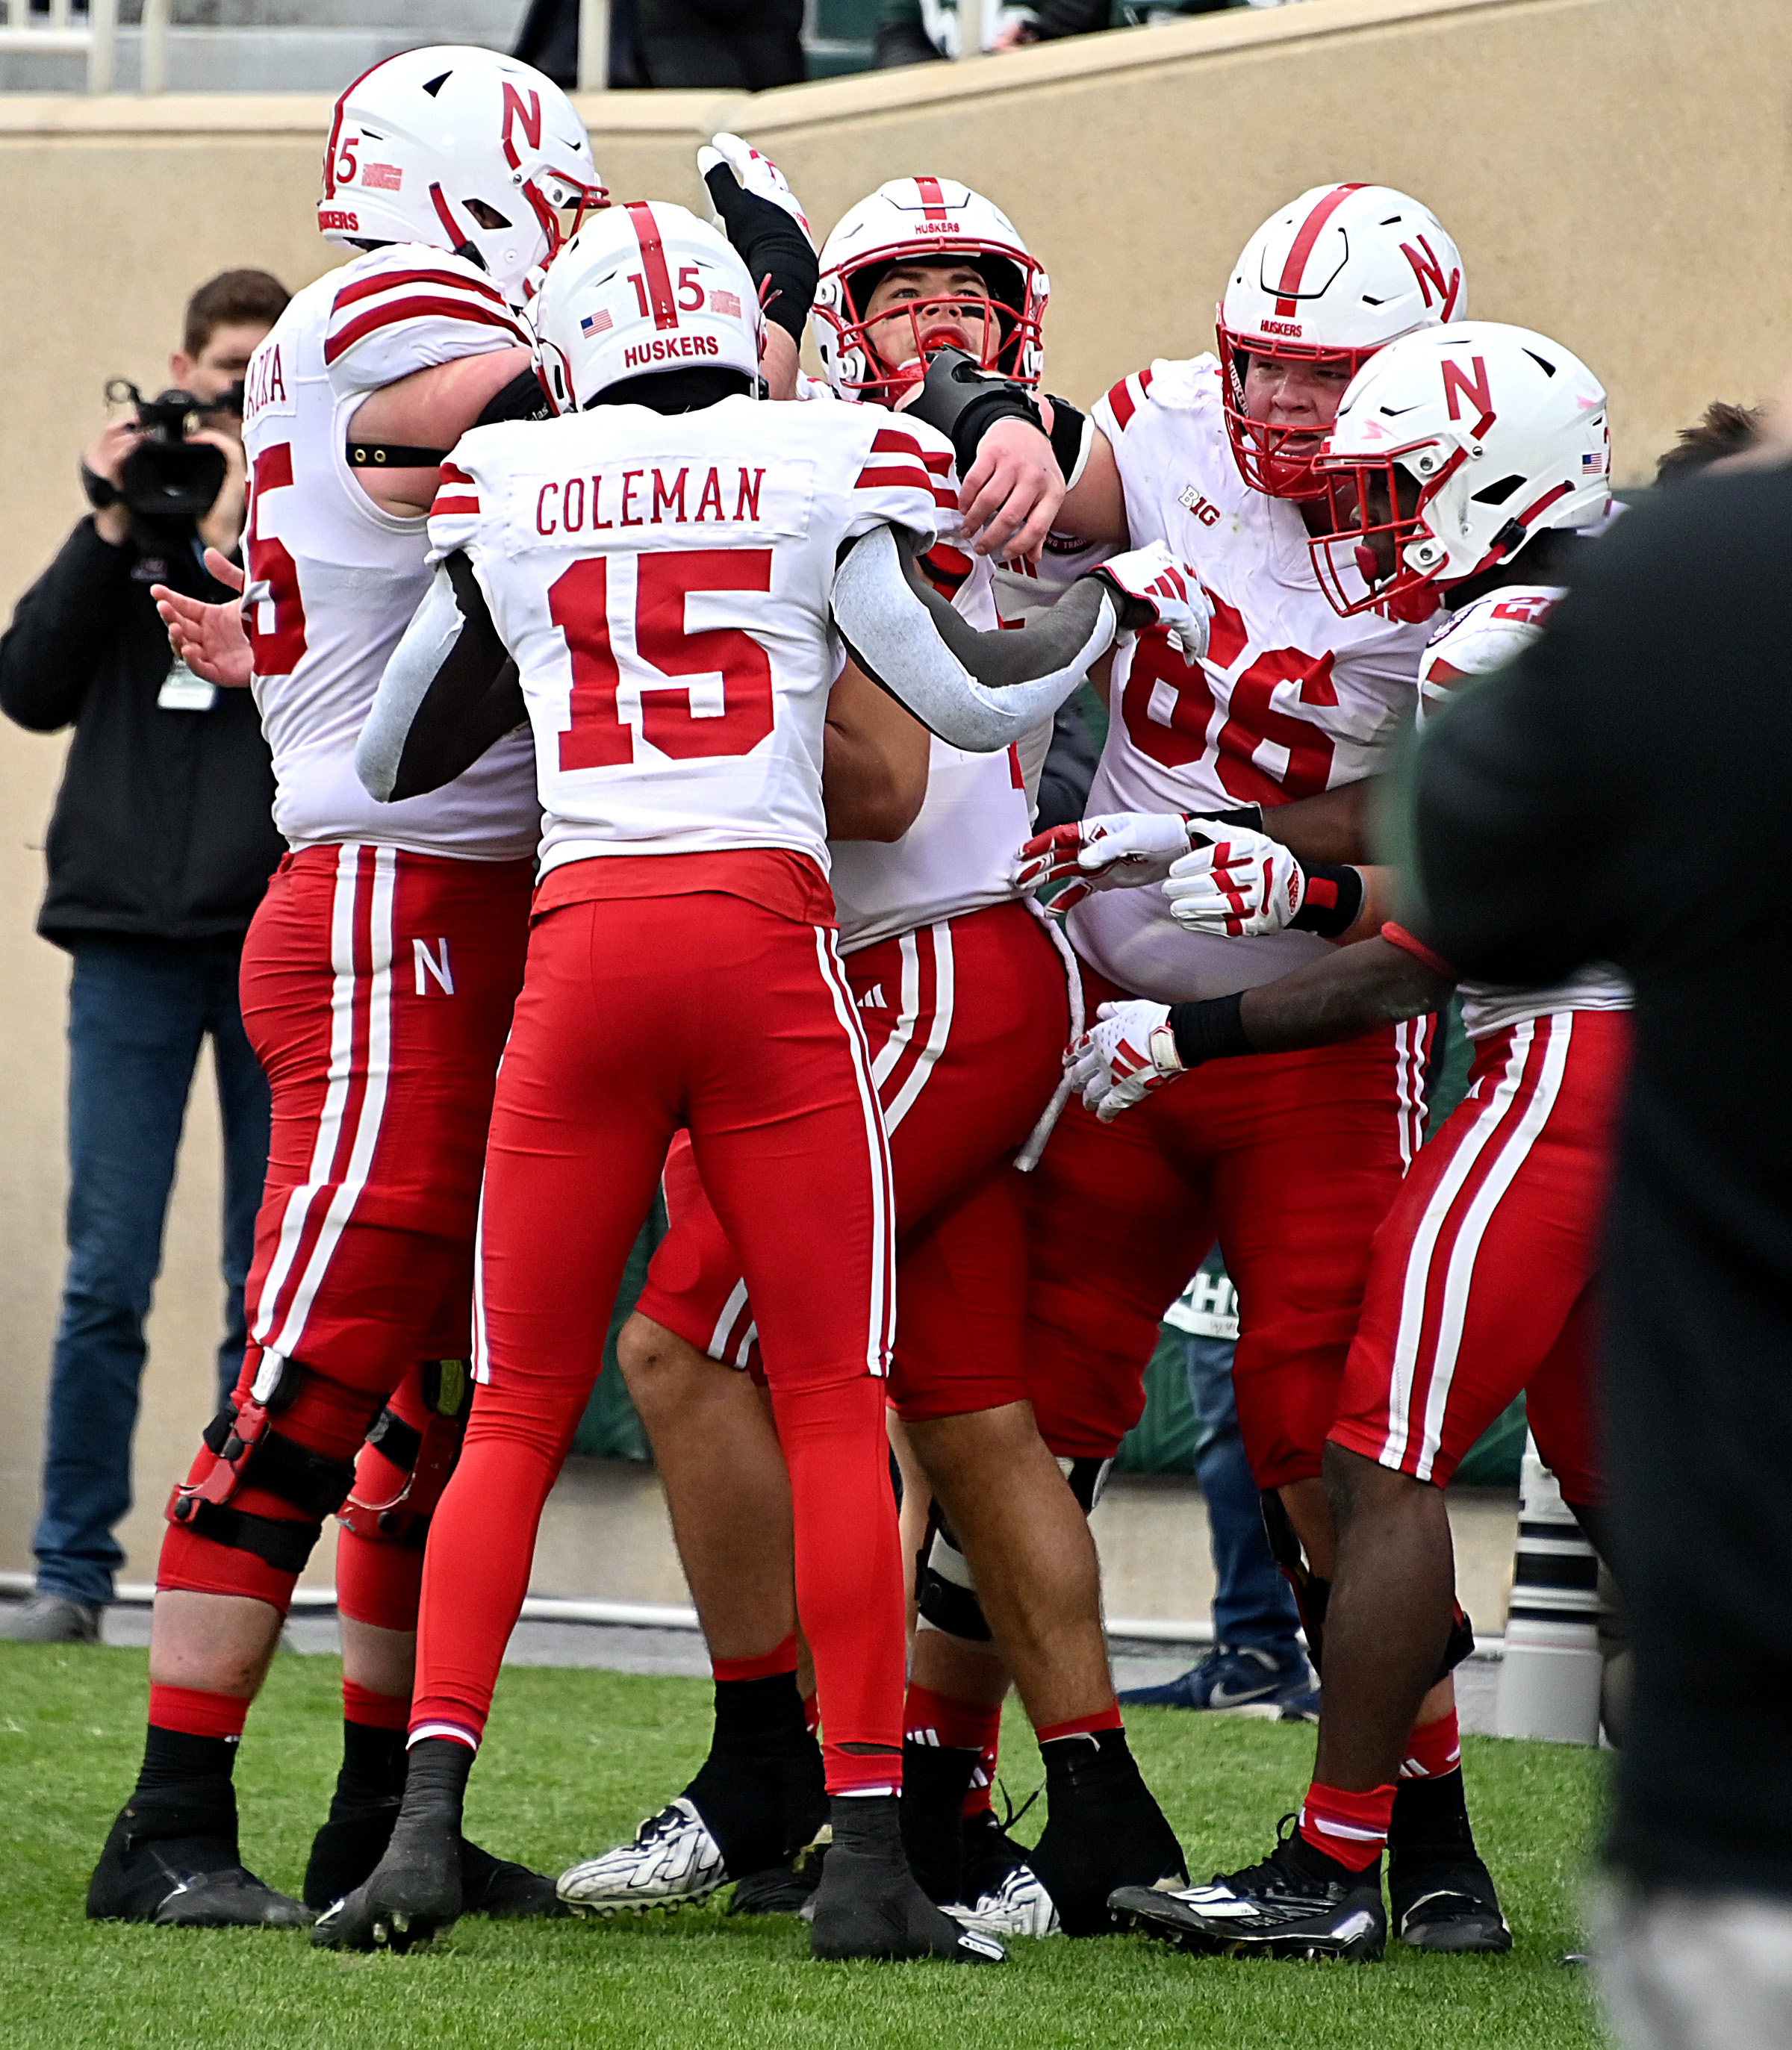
[386,1712]
[1103,1718]
[196,1712]
[1352,1828]
[780,1659]
[1433,1749]
[848,1573]
[930,1717]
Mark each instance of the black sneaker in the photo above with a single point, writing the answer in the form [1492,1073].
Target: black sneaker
[172,1860]
[1442,1898]
[415,1893]
[868,1904]
[1297,1903]
[1104,1830]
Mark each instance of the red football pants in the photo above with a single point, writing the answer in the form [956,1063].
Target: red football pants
[377,988]
[1290,1160]
[1483,1274]
[638,1015]
[966,1022]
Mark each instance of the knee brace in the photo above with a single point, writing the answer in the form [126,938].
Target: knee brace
[248,1450]
[947,1593]
[424,1458]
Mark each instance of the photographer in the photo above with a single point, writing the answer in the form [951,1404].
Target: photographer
[159,849]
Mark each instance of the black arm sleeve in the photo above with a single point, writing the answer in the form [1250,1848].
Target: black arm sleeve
[963,400]
[774,248]
[62,630]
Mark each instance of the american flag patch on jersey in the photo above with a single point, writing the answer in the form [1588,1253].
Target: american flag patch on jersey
[598,323]
[725,302]
[383,177]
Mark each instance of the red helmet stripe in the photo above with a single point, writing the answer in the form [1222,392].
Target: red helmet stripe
[336,129]
[1302,249]
[933,201]
[653,261]
[1542,505]
[445,215]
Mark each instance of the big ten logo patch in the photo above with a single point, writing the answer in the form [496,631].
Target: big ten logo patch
[1203,510]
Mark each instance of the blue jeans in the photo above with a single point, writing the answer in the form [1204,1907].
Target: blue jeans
[1252,1604]
[138,1010]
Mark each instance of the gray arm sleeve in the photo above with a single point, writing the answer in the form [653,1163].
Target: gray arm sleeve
[980,691]
[424,647]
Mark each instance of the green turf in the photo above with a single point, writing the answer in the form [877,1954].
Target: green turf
[574,1760]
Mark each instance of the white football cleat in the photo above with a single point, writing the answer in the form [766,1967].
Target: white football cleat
[673,1861]
[1019,1907]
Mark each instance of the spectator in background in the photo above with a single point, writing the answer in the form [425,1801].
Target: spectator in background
[1256,1661]
[742,45]
[159,849]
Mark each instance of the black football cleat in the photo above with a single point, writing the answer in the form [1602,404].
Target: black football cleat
[415,1892]
[868,1905]
[172,1860]
[1442,1898]
[505,1891]
[1297,1903]
[789,1889]
[347,1849]
[1104,1830]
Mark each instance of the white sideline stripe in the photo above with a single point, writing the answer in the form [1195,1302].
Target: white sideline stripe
[881,1335]
[1460,1273]
[944,983]
[1424,1244]
[654,1615]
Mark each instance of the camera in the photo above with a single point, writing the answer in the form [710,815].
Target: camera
[166,476]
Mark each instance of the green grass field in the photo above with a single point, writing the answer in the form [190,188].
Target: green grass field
[574,1760]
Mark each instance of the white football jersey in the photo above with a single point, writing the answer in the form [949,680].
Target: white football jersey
[1290,700]
[958,855]
[333,579]
[664,584]
[1484,636]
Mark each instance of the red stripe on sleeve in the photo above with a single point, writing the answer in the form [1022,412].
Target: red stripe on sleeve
[453,473]
[338,344]
[462,504]
[1122,403]
[392,281]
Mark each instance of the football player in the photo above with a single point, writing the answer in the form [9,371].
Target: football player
[960,992]
[652,577]
[1290,1158]
[378,980]
[1470,455]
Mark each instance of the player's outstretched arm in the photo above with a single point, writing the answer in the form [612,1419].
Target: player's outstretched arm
[210,639]
[425,414]
[874,761]
[449,691]
[983,692]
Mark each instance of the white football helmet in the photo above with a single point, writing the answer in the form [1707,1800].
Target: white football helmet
[460,149]
[1456,444]
[1330,279]
[926,221]
[644,288]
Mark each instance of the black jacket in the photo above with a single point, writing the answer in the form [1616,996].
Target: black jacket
[1621,793]
[163,827]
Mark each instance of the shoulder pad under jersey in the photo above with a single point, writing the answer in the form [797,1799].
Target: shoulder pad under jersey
[408,308]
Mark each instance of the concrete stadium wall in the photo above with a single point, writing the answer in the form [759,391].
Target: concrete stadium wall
[1617,172]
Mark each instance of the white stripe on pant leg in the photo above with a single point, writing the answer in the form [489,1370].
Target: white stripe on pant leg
[878,1337]
[904,1030]
[344,993]
[372,1101]
[482,1361]
[1459,1275]
[943,985]
[1424,1244]
[717,1346]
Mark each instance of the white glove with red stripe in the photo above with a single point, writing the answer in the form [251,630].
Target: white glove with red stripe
[1130,1052]
[1109,851]
[1235,883]
[1152,577]
[755,173]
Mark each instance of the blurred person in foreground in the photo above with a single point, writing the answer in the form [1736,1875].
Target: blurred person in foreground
[160,847]
[1541,809]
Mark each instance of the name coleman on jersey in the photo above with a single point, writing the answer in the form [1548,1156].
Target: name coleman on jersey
[565,507]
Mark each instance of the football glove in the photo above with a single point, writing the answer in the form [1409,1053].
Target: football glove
[762,217]
[1234,882]
[1150,580]
[1128,1052]
[1111,851]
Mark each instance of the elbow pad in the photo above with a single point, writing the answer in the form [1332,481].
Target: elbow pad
[893,636]
[963,400]
[426,645]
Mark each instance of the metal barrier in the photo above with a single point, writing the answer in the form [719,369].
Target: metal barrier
[56,28]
